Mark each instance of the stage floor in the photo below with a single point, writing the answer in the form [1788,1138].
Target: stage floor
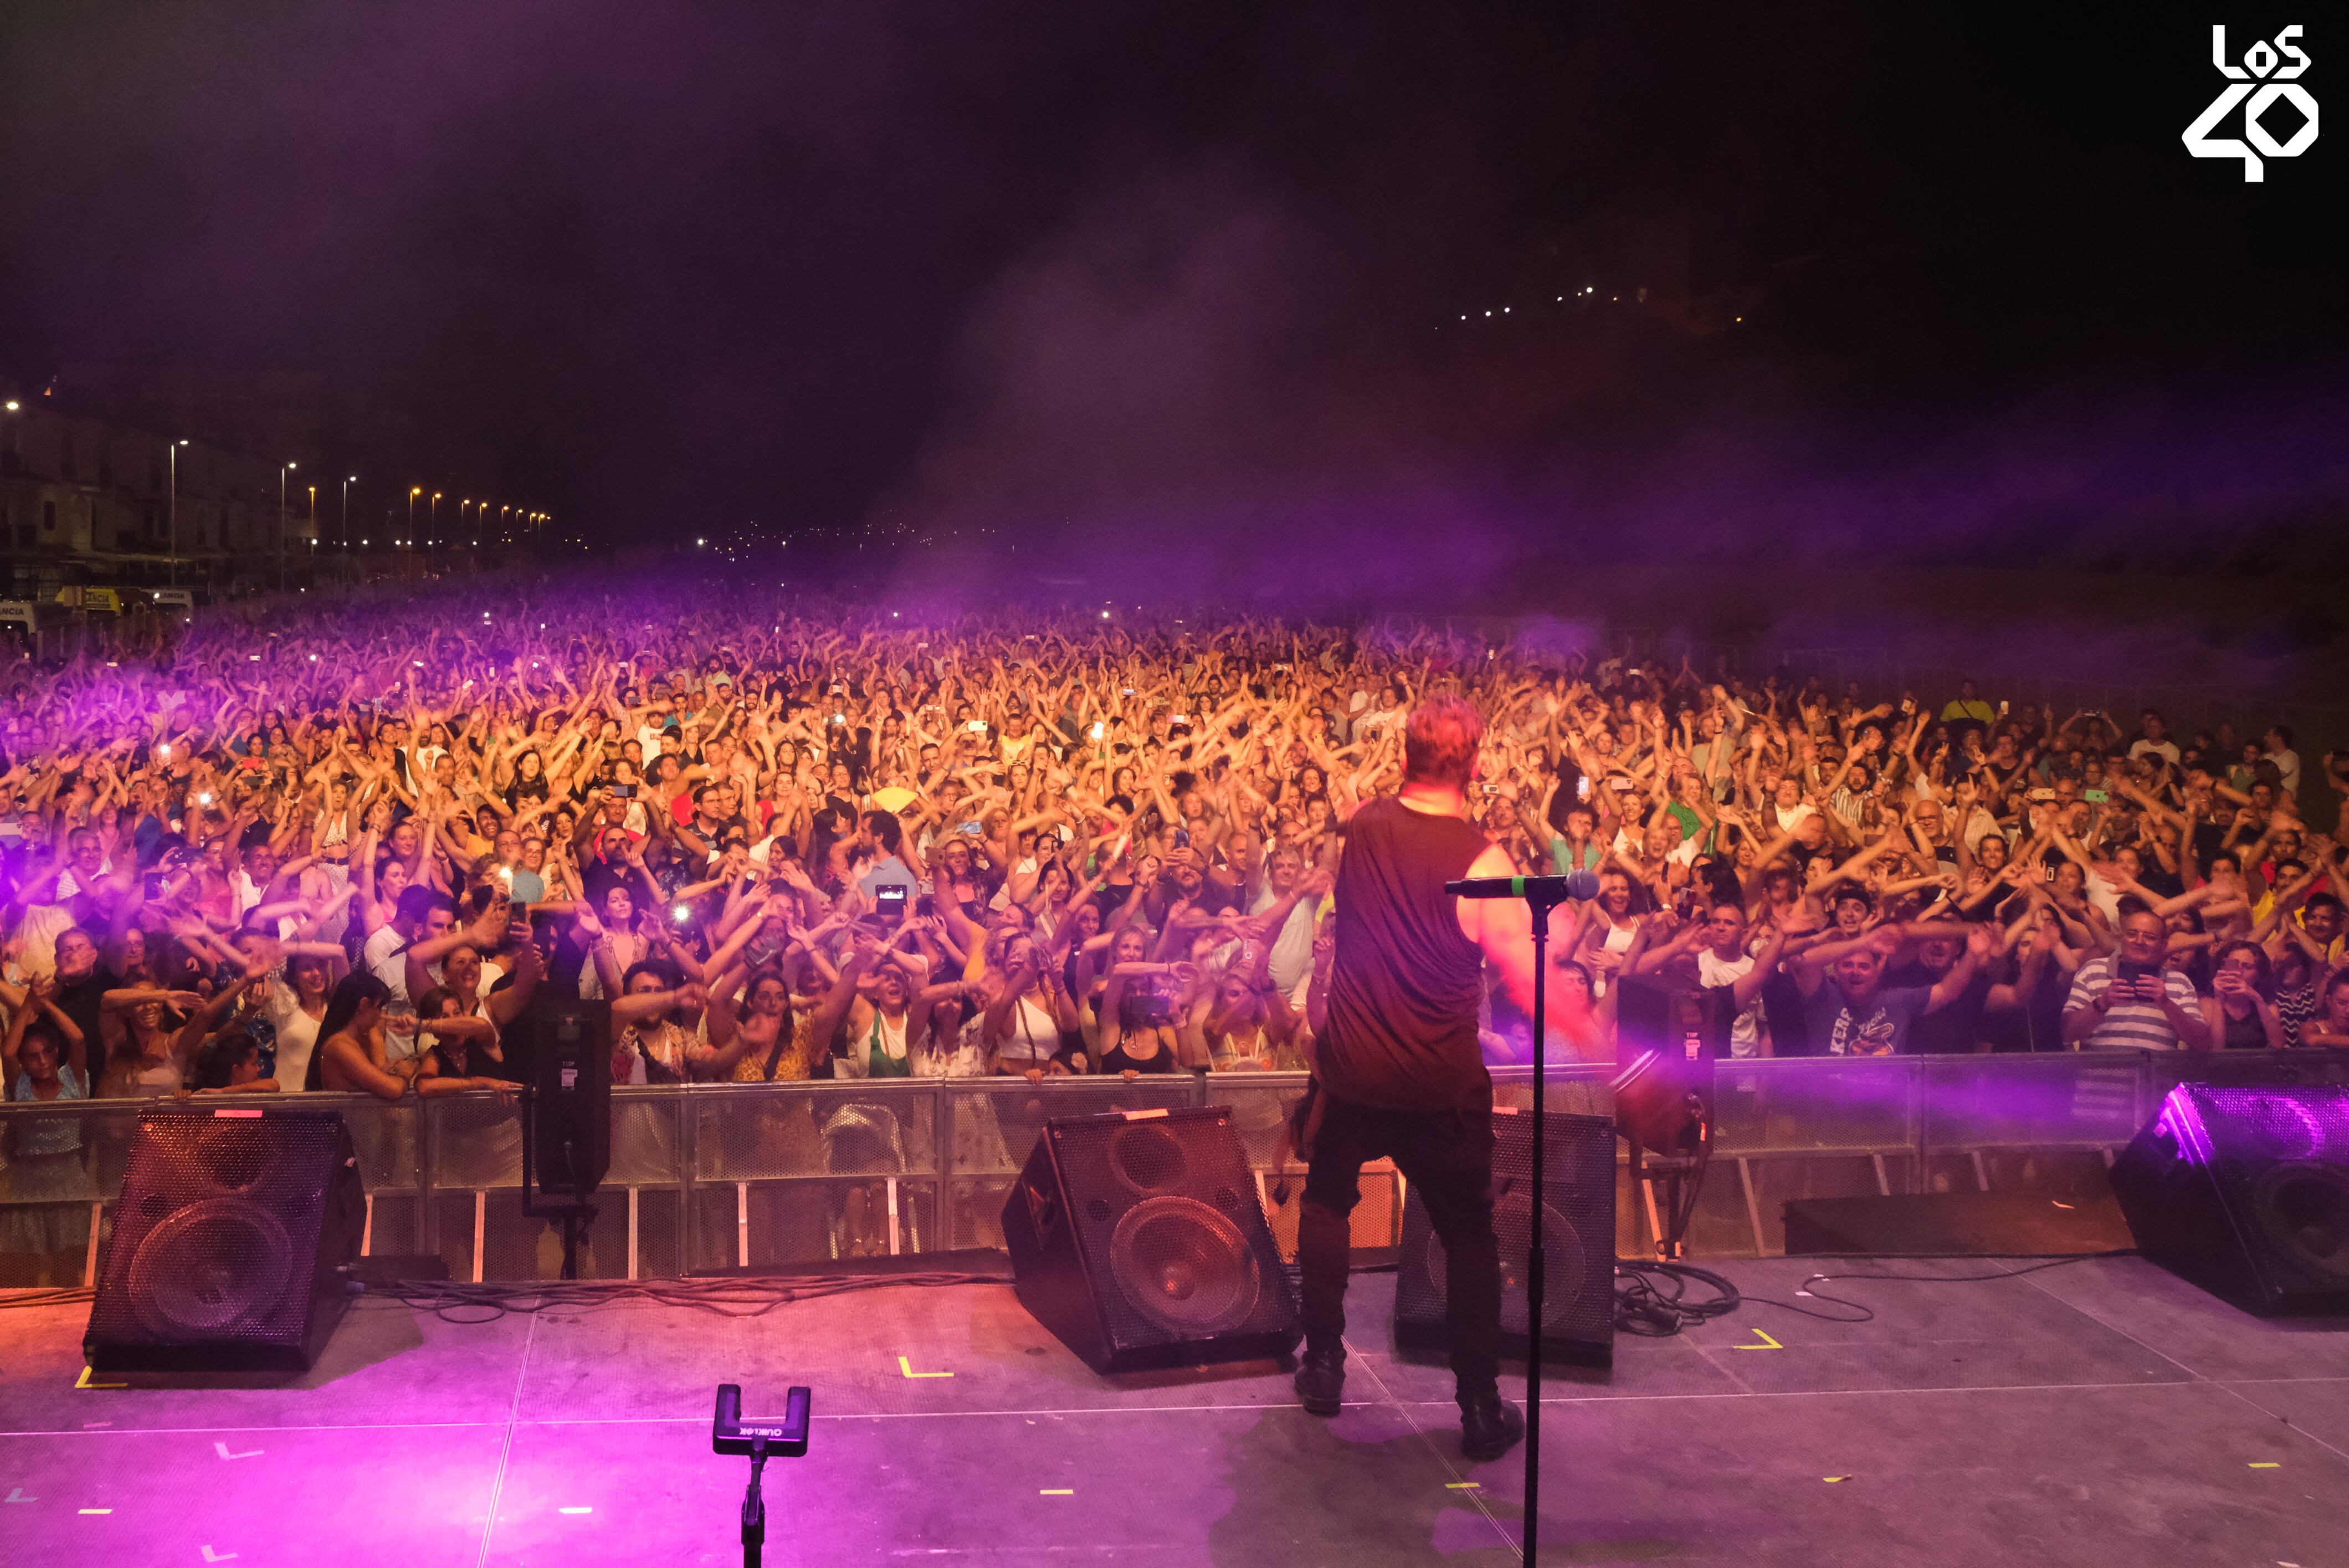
[2099,1413]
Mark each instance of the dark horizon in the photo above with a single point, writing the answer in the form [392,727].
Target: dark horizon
[1190,287]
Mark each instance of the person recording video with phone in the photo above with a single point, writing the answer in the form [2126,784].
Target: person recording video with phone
[2132,999]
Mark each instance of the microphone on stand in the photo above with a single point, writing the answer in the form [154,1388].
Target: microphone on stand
[1549,889]
[1543,895]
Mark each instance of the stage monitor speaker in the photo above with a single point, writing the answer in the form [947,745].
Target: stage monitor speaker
[228,1240]
[2245,1192]
[570,1109]
[1578,1240]
[1138,1240]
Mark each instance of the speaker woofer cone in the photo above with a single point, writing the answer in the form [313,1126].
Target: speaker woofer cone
[210,1266]
[1147,1157]
[2304,1209]
[1563,1259]
[1184,1266]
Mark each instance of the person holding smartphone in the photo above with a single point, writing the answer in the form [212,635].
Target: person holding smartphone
[2132,999]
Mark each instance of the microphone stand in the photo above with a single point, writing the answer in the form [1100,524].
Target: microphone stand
[1544,895]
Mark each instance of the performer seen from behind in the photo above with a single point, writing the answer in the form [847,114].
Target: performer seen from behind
[1398,1070]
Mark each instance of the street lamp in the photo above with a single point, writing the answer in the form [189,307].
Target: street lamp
[348,482]
[433,519]
[282,473]
[413,492]
[174,504]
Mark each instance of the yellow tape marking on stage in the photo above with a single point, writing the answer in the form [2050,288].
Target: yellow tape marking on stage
[1056,1492]
[906,1366]
[2266,1465]
[98,1510]
[1767,1343]
[84,1382]
[1832,1480]
[1463,1486]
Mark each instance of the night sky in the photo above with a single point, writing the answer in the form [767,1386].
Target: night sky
[1098,273]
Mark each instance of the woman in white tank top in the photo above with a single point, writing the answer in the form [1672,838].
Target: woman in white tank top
[1021,1026]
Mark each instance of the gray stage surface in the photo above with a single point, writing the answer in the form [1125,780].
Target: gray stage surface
[2098,1413]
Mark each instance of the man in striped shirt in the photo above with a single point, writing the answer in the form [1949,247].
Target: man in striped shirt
[2131,999]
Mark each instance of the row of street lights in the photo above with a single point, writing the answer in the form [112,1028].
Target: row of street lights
[506,513]
[432,516]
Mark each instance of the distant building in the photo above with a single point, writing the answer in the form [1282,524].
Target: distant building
[95,461]
[89,497]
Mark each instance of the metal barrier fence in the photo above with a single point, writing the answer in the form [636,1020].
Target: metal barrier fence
[722,1175]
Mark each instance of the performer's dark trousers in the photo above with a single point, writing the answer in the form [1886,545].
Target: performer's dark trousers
[1447,1158]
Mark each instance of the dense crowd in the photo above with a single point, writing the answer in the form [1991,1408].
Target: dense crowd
[344,850]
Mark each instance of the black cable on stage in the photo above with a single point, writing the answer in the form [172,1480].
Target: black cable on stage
[1652,1298]
[61,1296]
[465,1303]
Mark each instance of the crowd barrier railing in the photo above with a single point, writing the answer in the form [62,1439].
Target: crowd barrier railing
[749,1176]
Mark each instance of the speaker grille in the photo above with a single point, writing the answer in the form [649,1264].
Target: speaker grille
[219,1235]
[1146,1157]
[2248,1127]
[2245,1189]
[1568,1265]
[1578,1237]
[1166,1206]
[1184,1267]
[210,1268]
[2301,1210]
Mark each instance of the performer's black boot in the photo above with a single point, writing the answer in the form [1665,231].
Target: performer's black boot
[1321,1381]
[1489,1426]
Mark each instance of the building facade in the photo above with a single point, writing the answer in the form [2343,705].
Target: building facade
[87,499]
